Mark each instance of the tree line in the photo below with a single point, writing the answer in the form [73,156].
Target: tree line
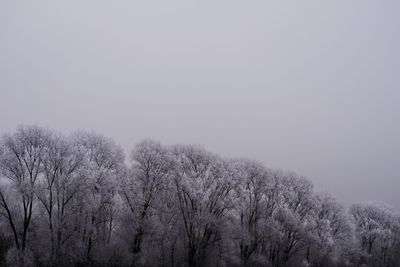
[75,201]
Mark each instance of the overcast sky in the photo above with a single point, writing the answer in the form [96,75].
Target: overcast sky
[307,86]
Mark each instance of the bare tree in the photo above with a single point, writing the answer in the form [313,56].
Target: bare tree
[57,191]
[250,206]
[291,218]
[151,166]
[331,230]
[378,232]
[103,161]
[203,190]
[21,163]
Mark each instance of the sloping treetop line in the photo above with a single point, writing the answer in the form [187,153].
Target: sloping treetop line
[72,201]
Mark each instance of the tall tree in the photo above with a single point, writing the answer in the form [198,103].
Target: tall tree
[151,167]
[331,231]
[21,164]
[203,187]
[250,207]
[103,161]
[57,192]
[378,232]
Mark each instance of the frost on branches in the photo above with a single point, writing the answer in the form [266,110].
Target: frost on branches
[75,201]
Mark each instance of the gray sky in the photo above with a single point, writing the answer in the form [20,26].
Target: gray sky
[308,86]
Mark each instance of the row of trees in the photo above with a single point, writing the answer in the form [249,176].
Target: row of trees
[74,201]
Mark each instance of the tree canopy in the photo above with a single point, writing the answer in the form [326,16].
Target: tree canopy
[75,201]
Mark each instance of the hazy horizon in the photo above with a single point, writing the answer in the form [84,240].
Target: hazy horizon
[309,87]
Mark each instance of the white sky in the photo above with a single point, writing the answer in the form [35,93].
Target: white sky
[307,86]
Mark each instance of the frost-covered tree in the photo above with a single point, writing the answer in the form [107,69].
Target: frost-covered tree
[203,185]
[103,163]
[141,190]
[21,165]
[58,192]
[291,218]
[378,232]
[250,207]
[331,230]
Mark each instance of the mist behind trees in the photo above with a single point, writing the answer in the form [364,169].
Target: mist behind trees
[77,200]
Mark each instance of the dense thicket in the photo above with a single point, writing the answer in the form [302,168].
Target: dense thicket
[75,201]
